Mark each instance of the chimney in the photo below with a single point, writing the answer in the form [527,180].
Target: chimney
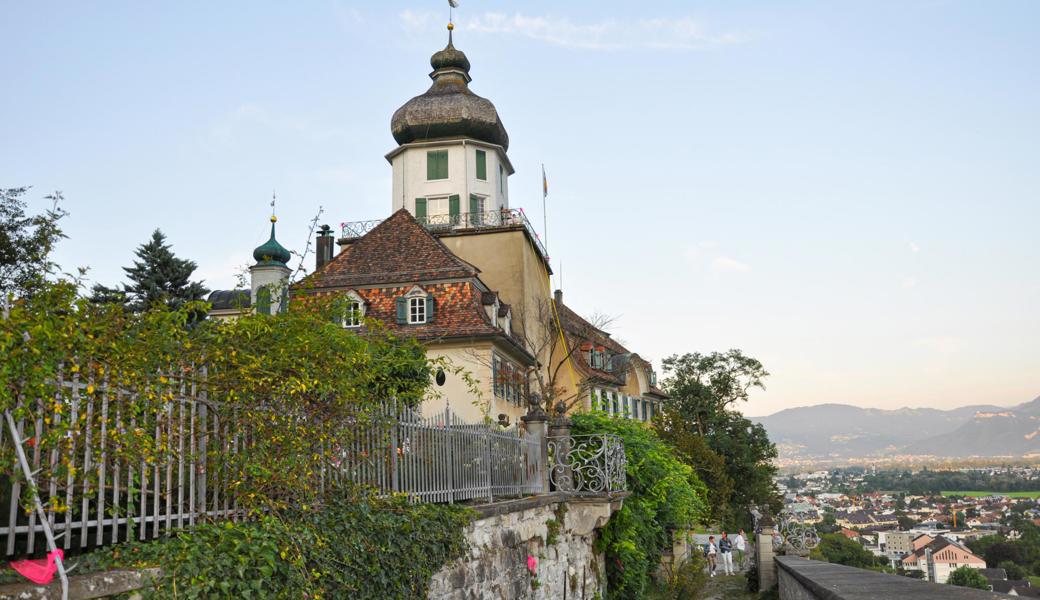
[558,295]
[324,247]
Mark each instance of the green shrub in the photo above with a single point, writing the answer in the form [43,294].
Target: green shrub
[350,549]
[683,581]
[666,496]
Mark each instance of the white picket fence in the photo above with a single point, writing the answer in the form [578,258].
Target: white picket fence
[109,499]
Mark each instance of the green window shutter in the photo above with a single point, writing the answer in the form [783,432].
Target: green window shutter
[263,301]
[474,204]
[437,164]
[402,311]
[453,208]
[430,305]
[420,208]
[481,165]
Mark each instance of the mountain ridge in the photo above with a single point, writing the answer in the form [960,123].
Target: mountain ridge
[852,431]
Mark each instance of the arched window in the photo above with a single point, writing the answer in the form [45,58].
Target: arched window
[353,310]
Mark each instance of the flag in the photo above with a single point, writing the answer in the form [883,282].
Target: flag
[453,3]
[545,183]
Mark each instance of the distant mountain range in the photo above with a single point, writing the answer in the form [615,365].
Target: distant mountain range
[835,431]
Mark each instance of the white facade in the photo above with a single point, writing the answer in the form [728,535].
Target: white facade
[270,277]
[409,164]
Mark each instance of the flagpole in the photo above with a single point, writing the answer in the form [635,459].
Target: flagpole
[545,215]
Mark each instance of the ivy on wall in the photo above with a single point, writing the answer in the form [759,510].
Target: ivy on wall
[667,497]
[352,548]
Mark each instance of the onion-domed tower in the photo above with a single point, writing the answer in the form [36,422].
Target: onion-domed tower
[451,161]
[269,277]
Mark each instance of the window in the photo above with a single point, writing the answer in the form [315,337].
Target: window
[416,310]
[353,313]
[635,408]
[263,301]
[481,165]
[501,179]
[415,307]
[508,380]
[614,401]
[437,164]
[646,414]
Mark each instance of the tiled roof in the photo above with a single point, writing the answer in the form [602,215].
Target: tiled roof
[398,250]
[577,331]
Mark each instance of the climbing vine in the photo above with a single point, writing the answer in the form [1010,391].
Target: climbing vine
[291,390]
[666,497]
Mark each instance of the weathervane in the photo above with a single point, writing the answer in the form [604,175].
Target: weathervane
[452,5]
[274,197]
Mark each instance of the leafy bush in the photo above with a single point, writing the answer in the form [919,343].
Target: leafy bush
[838,549]
[968,577]
[666,496]
[351,549]
[683,581]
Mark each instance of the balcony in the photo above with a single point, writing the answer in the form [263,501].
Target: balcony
[506,218]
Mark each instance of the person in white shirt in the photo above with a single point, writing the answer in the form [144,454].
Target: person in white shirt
[712,553]
[740,547]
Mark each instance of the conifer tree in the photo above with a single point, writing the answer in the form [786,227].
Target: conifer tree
[158,276]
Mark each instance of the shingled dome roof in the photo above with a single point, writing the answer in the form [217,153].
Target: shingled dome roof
[449,109]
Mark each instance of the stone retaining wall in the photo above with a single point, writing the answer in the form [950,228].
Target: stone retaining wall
[507,533]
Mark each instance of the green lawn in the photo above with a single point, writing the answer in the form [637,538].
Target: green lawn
[982,493]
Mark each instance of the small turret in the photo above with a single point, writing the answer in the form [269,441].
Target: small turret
[269,277]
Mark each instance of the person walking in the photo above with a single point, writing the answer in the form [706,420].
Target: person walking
[740,548]
[726,552]
[711,553]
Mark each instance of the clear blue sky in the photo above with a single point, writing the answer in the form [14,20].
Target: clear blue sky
[848,191]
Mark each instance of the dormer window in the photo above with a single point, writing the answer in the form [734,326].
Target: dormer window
[415,308]
[416,311]
[353,311]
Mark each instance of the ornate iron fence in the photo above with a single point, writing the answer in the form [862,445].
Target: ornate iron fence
[587,464]
[796,535]
[103,498]
[494,219]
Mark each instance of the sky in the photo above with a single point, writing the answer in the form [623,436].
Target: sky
[849,192]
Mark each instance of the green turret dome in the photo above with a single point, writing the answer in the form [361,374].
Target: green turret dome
[271,252]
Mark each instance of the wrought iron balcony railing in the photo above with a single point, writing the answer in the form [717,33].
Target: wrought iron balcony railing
[495,219]
[587,464]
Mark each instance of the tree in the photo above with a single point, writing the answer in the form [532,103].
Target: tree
[694,450]
[159,276]
[1013,570]
[702,389]
[907,523]
[708,384]
[838,549]
[969,578]
[26,242]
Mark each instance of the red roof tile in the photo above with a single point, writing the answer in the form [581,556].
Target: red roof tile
[398,250]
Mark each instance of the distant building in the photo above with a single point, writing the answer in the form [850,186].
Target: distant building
[939,558]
